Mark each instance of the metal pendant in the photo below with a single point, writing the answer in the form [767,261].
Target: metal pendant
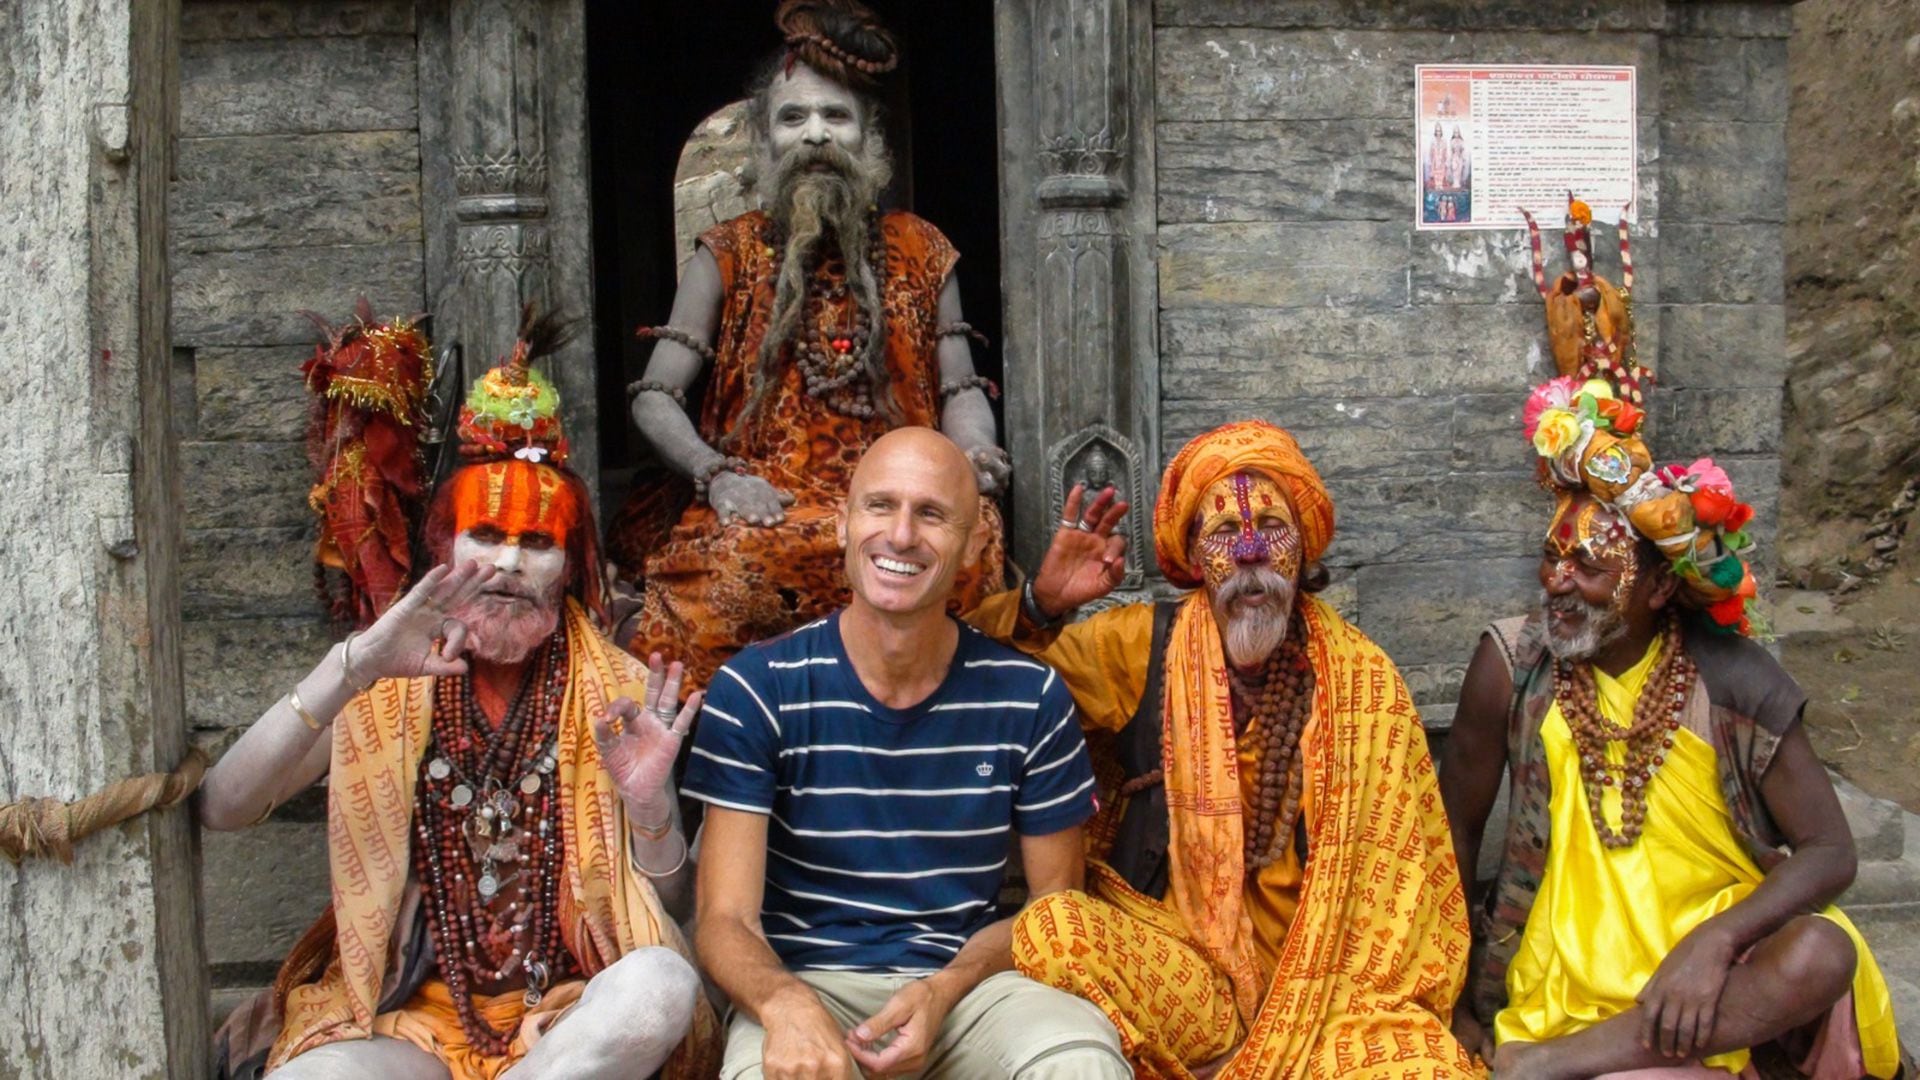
[462,795]
[439,768]
[530,783]
[489,885]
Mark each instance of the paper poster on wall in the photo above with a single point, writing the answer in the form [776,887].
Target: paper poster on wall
[1493,139]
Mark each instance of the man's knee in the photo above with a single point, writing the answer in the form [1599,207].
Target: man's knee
[1815,956]
[655,988]
[1054,1033]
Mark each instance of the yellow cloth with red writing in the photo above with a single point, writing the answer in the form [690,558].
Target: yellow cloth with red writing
[1363,981]
[606,909]
[1606,917]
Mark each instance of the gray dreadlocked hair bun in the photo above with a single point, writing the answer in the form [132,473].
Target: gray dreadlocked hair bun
[841,39]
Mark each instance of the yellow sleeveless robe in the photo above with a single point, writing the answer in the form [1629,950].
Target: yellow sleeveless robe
[1605,917]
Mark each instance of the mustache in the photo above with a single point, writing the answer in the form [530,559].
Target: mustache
[806,156]
[1250,579]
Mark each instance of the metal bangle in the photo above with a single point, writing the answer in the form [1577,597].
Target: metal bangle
[1030,608]
[346,664]
[685,851]
[300,710]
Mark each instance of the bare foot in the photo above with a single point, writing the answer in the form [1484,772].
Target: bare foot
[1521,1061]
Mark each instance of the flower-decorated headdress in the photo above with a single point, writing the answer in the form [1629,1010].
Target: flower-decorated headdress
[1588,439]
[369,382]
[1589,320]
[513,453]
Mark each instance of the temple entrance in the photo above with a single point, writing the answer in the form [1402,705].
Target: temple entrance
[655,72]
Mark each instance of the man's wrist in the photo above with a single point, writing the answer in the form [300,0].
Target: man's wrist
[1035,613]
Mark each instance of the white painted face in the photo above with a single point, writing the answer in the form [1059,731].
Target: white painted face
[806,108]
[531,566]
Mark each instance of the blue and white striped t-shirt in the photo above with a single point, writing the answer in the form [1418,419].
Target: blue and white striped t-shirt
[888,829]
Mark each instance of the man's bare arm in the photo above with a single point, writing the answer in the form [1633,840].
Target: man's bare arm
[1475,756]
[967,417]
[664,423]
[802,1037]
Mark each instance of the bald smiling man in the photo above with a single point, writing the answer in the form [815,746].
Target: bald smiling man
[864,775]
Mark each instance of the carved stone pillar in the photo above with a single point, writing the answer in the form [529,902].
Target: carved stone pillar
[1083,395]
[503,141]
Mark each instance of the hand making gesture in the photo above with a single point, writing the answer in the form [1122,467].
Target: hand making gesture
[639,741]
[1086,560]
[418,635]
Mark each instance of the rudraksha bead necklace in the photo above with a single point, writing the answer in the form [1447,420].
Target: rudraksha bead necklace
[832,359]
[487,840]
[1278,704]
[1648,739]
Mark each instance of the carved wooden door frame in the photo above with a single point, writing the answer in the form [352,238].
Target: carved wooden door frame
[1077,249]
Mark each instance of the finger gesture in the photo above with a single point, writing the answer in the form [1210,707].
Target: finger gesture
[913,1015]
[1086,560]
[418,635]
[639,741]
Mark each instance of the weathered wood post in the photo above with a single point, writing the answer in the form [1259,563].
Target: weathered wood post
[1083,377]
[100,961]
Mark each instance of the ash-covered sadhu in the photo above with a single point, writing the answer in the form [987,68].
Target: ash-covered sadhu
[1673,844]
[502,839]
[1271,887]
[808,329]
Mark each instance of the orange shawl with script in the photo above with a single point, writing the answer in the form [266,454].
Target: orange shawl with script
[1377,952]
[607,910]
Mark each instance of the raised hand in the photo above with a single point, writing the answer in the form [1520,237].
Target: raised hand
[639,741]
[1086,560]
[747,499]
[418,635]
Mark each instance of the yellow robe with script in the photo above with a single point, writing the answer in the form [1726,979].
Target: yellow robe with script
[607,910]
[1346,967]
[1606,917]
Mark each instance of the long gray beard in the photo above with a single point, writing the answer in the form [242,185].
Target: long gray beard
[1603,625]
[506,633]
[826,211]
[1251,634]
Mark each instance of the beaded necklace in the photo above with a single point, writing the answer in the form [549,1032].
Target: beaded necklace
[487,830]
[1656,714]
[1277,704]
[835,333]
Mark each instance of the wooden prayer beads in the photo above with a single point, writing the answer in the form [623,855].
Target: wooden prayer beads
[1648,739]
[487,841]
[834,359]
[1278,704]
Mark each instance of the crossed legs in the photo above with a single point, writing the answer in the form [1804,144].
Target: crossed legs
[1792,978]
[626,1023]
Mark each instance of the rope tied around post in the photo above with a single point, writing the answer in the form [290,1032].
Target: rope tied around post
[43,828]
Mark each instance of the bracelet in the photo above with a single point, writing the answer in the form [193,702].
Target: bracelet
[1030,608]
[684,852]
[963,329]
[678,337]
[656,832]
[968,382]
[300,710]
[346,664]
[705,476]
[644,386]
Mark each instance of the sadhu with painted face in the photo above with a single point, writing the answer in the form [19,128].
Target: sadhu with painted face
[506,858]
[1673,845]
[1271,886]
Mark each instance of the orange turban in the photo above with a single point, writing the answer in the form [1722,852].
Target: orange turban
[1247,445]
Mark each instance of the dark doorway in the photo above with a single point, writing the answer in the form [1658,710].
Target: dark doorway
[654,71]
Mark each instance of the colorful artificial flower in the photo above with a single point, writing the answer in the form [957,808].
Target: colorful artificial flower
[1711,508]
[1557,431]
[1598,389]
[1579,212]
[1553,394]
[1623,416]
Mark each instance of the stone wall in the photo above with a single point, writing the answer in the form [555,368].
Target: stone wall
[297,188]
[1293,286]
[1853,279]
